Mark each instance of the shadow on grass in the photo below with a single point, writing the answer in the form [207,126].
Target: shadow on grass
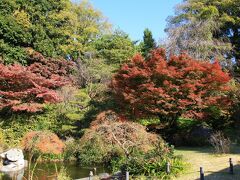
[204,149]
[235,149]
[223,174]
[216,167]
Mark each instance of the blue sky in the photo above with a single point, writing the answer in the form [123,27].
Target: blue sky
[133,16]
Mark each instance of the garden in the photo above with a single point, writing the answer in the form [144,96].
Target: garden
[81,99]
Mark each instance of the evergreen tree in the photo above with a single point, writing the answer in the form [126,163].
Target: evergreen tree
[115,48]
[148,42]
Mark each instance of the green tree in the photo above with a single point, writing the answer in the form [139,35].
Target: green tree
[51,27]
[32,24]
[89,24]
[115,48]
[148,42]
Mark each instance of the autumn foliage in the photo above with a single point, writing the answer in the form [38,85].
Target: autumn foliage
[107,117]
[169,88]
[27,88]
[43,142]
[47,67]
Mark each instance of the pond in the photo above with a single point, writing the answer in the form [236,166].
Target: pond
[46,171]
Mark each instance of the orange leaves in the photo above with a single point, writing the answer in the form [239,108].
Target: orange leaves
[43,142]
[157,86]
[138,59]
[29,107]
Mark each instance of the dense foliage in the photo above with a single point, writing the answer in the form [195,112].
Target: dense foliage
[42,142]
[54,28]
[115,48]
[206,29]
[126,145]
[57,81]
[27,88]
[169,88]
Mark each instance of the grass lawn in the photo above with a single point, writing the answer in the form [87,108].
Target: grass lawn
[216,167]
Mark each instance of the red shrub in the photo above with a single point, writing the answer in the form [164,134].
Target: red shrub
[43,142]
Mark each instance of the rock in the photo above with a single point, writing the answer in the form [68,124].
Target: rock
[117,175]
[13,154]
[13,160]
[16,175]
[104,176]
[87,178]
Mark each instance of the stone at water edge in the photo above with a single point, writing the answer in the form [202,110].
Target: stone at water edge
[104,176]
[117,175]
[101,176]
[13,154]
[15,158]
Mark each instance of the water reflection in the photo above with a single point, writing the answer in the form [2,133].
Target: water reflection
[47,171]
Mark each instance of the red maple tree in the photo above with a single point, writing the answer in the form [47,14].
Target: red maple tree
[28,88]
[170,88]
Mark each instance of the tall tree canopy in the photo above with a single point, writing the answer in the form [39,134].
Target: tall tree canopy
[51,27]
[89,25]
[169,88]
[206,29]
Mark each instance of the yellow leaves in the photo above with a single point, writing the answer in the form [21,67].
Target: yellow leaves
[197,5]
[90,20]
[73,44]
[22,18]
[229,19]
[65,16]
[65,22]
[237,20]
[209,12]
[92,29]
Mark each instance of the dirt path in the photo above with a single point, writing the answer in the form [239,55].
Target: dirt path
[215,167]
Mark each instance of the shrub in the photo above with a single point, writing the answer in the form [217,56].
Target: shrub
[14,127]
[102,141]
[142,165]
[122,145]
[42,142]
[1,137]
[71,149]
[220,143]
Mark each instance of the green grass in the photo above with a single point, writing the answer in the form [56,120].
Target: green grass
[216,167]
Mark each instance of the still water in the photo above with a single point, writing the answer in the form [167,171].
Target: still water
[47,171]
